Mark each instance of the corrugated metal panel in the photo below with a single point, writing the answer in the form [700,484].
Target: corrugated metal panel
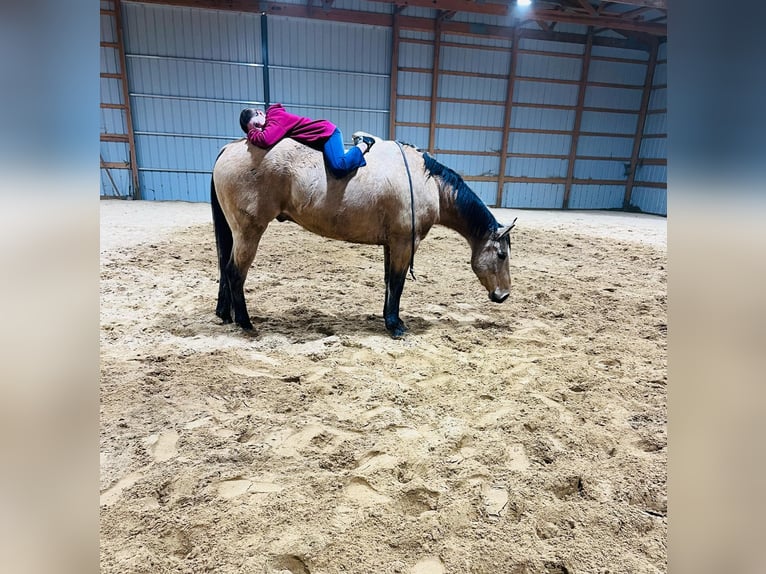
[596,196]
[414,84]
[654,148]
[549,46]
[110,60]
[415,136]
[650,200]
[175,186]
[611,52]
[379,7]
[416,35]
[550,67]
[662,51]
[177,153]
[118,186]
[653,173]
[533,195]
[329,90]
[478,41]
[470,60]
[115,152]
[412,111]
[486,190]
[656,124]
[107,5]
[536,167]
[617,73]
[111,91]
[469,140]
[609,123]
[593,169]
[108,28]
[192,33]
[334,45]
[178,116]
[468,165]
[537,118]
[113,121]
[658,99]
[531,92]
[416,55]
[615,98]
[470,88]
[467,114]
[660,74]
[554,144]
[605,147]
[194,78]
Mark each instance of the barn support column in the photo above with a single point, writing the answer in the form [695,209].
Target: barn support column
[507,116]
[393,83]
[583,86]
[265,56]
[435,83]
[651,65]
[126,99]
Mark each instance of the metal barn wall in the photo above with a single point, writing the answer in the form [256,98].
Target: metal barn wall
[565,138]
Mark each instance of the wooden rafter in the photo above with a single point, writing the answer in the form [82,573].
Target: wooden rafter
[659,4]
[611,20]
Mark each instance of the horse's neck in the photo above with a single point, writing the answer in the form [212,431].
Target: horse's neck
[450,216]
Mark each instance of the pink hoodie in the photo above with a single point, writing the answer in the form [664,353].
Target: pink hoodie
[282,124]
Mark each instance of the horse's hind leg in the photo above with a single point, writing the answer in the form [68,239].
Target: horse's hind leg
[242,256]
[395,275]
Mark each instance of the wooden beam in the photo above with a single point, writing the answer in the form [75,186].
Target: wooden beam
[658,4]
[588,7]
[126,99]
[393,85]
[434,83]
[507,118]
[583,86]
[641,123]
[454,6]
[416,23]
[122,138]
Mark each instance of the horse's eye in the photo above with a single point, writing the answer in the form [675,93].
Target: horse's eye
[502,254]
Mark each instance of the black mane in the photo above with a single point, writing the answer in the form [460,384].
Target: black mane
[469,205]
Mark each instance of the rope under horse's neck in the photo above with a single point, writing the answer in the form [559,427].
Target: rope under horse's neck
[412,210]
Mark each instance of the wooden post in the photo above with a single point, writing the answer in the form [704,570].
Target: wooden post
[126,100]
[650,67]
[395,30]
[507,116]
[434,83]
[578,117]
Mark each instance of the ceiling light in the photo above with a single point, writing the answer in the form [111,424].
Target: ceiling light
[523,2]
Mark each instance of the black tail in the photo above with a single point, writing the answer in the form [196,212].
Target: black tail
[223,243]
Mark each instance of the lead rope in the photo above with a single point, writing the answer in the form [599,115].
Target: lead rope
[412,211]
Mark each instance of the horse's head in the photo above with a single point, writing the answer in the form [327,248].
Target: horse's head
[490,261]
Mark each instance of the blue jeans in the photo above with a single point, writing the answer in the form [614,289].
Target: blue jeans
[340,161]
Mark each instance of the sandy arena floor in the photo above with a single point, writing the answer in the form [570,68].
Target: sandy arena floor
[522,438]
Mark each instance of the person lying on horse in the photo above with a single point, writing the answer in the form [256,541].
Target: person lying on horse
[265,130]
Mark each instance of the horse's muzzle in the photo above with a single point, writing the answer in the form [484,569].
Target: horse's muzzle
[498,296]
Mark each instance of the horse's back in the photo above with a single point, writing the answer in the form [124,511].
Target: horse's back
[368,206]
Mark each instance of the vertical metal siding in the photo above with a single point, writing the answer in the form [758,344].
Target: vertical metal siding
[462,59]
[617,72]
[533,195]
[596,196]
[603,146]
[550,46]
[536,167]
[604,122]
[537,118]
[549,67]
[531,92]
[650,200]
[614,98]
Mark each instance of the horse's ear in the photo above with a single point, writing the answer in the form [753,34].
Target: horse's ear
[503,231]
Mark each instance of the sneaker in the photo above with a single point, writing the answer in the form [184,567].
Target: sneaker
[359,137]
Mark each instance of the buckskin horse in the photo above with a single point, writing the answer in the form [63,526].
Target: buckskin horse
[392,201]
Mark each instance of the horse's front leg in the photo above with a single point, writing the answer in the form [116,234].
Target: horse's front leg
[395,274]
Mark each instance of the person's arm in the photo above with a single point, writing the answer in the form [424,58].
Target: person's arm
[271,133]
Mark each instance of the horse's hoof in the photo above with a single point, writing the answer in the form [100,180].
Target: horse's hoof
[398,331]
[246,325]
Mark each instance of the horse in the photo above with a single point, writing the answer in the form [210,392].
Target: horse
[389,202]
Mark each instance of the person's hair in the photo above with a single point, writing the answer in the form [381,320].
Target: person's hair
[245,117]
